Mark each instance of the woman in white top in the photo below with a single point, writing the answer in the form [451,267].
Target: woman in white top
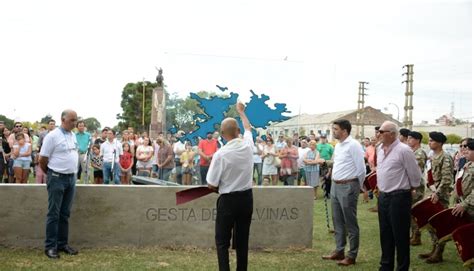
[269,170]
[22,162]
[144,157]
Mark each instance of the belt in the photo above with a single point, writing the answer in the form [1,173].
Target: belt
[82,152]
[61,174]
[345,181]
[396,192]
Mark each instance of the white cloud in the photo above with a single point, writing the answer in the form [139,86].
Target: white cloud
[60,54]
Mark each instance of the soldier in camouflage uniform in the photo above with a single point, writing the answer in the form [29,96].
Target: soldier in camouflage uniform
[414,141]
[464,196]
[442,166]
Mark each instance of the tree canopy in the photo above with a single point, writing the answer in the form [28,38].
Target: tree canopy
[180,112]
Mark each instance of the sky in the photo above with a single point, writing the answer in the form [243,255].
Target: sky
[308,54]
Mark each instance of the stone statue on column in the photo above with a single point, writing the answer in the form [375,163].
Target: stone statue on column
[158,112]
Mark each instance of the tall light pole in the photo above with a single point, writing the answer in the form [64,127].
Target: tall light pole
[398,110]
[143,104]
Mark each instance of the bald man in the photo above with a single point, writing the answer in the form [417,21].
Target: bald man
[397,175]
[58,158]
[230,173]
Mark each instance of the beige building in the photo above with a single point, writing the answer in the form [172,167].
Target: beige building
[304,124]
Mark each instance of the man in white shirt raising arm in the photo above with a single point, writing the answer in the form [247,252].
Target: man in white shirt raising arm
[230,173]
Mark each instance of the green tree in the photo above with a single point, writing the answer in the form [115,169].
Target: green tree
[453,139]
[132,106]
[92,124]
[180,112]
[8,122]
[46,119]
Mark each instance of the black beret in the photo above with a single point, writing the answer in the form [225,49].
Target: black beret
[438,137]
[404,132]
[416,135]
[470,144]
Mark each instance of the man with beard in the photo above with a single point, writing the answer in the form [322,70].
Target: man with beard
[348,174]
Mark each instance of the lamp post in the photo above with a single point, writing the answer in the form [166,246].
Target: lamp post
[143,104]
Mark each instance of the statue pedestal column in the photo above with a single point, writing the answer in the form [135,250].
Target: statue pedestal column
[158,112]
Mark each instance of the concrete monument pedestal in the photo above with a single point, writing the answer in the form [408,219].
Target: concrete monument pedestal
[108,215]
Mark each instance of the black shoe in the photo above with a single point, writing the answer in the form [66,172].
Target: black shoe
[52,253]
[69,250]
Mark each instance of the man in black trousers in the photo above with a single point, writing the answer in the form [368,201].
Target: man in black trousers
[398,176]
[230,173]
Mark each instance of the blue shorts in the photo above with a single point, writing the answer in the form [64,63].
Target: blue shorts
[25,164]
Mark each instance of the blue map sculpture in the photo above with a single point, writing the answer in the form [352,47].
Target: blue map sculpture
[258,112]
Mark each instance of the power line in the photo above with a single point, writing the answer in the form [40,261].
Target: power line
[283,59]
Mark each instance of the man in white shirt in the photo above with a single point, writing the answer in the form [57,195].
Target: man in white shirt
[230,173]
[348,175]
[111,150]
[302,151]
[58,158]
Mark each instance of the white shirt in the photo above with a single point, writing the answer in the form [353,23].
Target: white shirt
[257,159]
[108,148]
[178,149]
[61,149]
[232,165]
[301,155]
[348,161]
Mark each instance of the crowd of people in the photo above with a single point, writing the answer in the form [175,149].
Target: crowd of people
[112,157]
[406,173]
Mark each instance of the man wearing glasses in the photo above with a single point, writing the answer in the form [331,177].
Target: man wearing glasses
[398,175]
[58,158]
[17,128]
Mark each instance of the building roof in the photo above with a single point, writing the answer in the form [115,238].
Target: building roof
[325,118]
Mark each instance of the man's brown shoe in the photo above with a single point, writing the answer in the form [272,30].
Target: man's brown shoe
[335,256]
[346,262]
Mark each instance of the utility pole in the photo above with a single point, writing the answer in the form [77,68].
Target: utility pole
[143,104]
[360,109]
[408,117]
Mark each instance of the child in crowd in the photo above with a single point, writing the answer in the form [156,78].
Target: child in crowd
[97,162]
[187,163]
[144,154]
[126,163]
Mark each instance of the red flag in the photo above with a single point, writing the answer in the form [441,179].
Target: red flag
[190,194]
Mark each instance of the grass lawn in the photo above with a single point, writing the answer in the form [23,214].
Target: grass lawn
[206,259]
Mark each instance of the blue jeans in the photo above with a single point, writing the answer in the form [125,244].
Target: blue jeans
[61,189]
[258,167]
[107,171]
[203,170]
[164,174]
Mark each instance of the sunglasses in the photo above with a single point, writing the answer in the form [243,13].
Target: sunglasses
[463,146]
[18,126]
[382,131]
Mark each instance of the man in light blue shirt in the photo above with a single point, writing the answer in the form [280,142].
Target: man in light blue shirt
[83,139]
